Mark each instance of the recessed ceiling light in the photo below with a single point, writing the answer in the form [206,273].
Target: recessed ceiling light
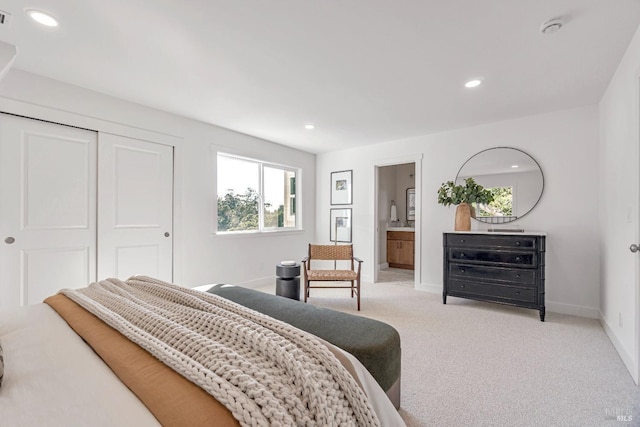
[309,126]
[42,18]
[473,83]
[514,166]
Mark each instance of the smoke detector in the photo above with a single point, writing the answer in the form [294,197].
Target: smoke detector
[552,25]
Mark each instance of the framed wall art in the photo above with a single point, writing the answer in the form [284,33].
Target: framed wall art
[340,225]
[411,204]
[341,187]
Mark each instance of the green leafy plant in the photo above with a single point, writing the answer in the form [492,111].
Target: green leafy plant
[471,192]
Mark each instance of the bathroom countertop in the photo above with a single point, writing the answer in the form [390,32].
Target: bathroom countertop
[410,229]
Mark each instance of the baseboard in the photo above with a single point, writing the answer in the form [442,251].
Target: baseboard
[428,287]
[551,306]
[383,266]
[574,310]
[256,283]
[626,357]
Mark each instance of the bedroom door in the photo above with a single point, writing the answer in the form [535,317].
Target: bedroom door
[135,199]
[47,209]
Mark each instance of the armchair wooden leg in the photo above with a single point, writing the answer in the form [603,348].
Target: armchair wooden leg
[352,289]
[358,295]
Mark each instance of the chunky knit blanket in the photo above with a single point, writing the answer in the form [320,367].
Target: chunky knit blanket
[266,372]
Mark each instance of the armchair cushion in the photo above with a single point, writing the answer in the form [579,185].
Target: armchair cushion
[331,275]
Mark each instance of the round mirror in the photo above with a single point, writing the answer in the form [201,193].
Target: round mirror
[514,178]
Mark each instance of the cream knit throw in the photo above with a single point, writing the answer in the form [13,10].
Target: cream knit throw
[266,372]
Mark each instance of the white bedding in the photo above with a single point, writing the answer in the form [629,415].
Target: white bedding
[52,378]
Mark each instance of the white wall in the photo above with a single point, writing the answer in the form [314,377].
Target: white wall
[386,193]
[404,179]
[565,145]
[201,256]
[619,215]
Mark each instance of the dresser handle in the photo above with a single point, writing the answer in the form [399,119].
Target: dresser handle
[518,243]
[518,258]
[461,240]
[461,286]
[517,292]
[518,276]
[462,270]
[461,254]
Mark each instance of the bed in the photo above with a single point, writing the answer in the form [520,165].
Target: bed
[375,344]
[144,352]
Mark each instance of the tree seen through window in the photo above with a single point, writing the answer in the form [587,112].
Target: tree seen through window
[502,204]
[265,200]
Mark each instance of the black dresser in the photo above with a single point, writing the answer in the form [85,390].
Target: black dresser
[497,267]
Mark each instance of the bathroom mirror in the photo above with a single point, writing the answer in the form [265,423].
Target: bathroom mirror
[411,204]
[514,178]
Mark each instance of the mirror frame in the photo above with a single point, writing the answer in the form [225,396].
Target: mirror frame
[510,148]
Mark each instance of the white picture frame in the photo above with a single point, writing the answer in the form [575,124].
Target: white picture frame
[341,187]
[340,225]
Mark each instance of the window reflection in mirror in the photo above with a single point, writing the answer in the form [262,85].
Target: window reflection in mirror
[502,205]
[514,178]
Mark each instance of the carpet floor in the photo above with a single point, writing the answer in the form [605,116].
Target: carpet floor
[469,363]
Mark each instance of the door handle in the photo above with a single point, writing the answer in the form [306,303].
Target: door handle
[9,240]
[166,234]
[634,248]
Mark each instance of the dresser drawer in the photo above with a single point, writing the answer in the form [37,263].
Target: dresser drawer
[479,272]
[490,291]
[493,257]
[483,240]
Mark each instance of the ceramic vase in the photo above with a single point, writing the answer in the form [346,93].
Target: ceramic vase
[463,217]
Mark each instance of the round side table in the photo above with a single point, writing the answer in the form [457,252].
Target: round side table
[288,281]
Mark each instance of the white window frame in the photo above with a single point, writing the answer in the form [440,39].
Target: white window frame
[261,165]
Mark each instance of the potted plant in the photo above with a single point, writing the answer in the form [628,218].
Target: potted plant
[463,195]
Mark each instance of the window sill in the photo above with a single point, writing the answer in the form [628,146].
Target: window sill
[263,233]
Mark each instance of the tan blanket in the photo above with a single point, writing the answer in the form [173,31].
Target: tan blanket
[172,399]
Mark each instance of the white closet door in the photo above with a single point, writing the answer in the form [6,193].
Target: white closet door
[135,199]
[47,209]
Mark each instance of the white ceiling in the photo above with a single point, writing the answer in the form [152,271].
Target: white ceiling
[364,71]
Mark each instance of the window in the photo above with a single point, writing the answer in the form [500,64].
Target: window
[254,195]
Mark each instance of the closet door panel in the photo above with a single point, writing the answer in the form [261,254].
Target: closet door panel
[42,280]
[47,209]
[135,196]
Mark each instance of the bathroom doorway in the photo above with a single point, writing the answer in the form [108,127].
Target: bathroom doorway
[397,221]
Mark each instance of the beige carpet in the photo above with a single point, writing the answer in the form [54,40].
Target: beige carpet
[470,363]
